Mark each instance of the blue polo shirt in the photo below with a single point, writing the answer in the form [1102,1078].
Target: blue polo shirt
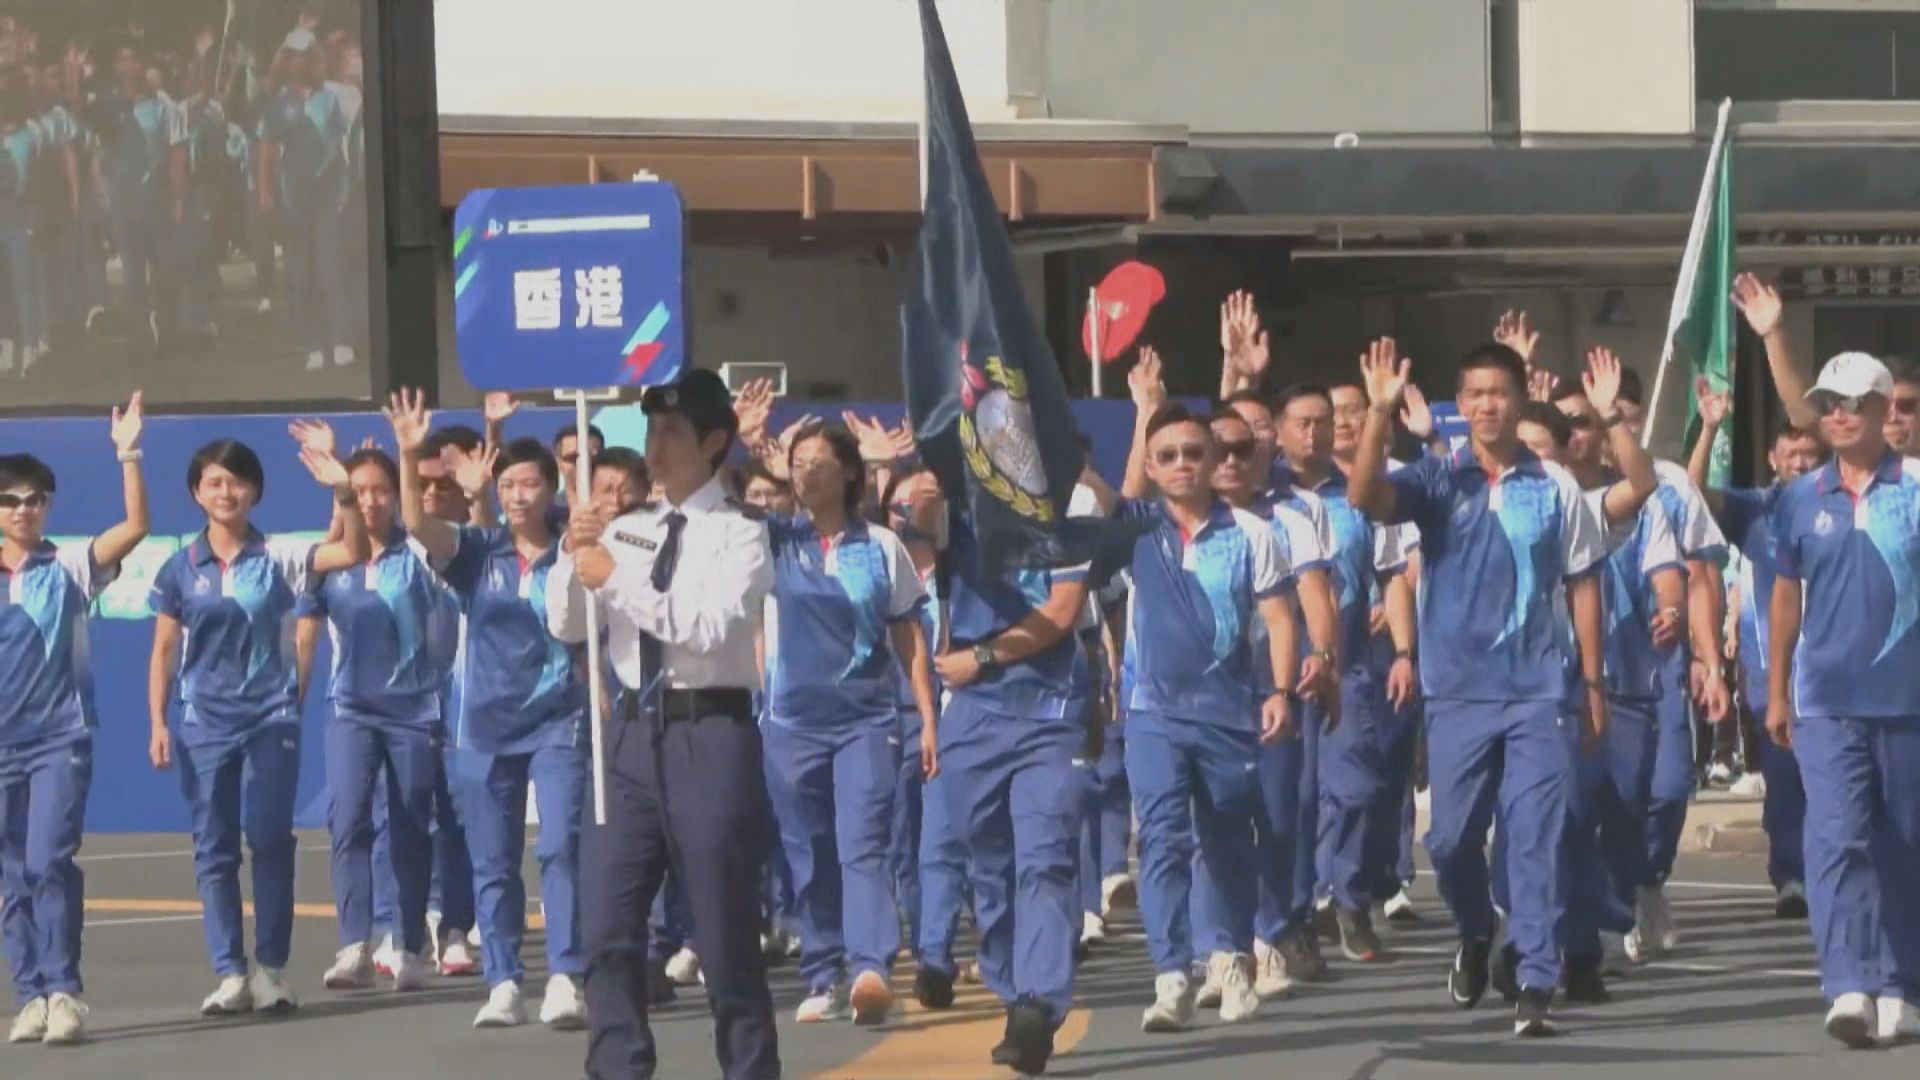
[1858,562]
[1746,516]
[1052,684]
[1189,622]
[1362,554]
[383,618]
[1497,552]
[237,672]
[835,603]
[308,130]
[43,647]
[1694,529]
[518,687]
[138,140]
[1636,552]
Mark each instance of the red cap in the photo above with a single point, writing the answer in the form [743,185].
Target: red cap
[1124,300]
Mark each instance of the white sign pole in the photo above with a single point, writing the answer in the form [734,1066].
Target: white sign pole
[1093,331]
[596,688]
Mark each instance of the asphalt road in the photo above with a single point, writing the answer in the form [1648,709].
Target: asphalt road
[1739,999]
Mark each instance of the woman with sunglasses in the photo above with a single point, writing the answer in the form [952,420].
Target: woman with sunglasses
[46,729]
[391,642]
[847,601]
[227,602]
[523,716]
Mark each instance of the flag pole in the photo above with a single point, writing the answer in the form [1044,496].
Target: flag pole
[596,687]
[1093,331]
[1689,266]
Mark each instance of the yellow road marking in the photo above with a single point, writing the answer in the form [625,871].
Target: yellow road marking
[950,1044]
[535,920]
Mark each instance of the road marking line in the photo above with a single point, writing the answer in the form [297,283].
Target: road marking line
[948,1044]
[147,921]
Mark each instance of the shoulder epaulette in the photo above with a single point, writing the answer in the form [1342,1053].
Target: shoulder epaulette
[747,509]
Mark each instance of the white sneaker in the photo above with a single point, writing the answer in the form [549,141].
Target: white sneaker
[1238,1000]
[385,957]
[1118,892]
[1092,928]
[684,967]
[1720,773]
[1751,785]
[233,997]
[505,1008]
[871,999]
[456,956]
[1217,967]
[271,994]
[1853,1020]
[352,969]
[409,973]
[1899,1021]
[66,1021]
[473,936]
[1399,908]
[1172,1008]
[342,355]
[31,1025]
[827,1005]
[562,1009]
[1270,979]
[1651,935]
[316,360]
[1666,935]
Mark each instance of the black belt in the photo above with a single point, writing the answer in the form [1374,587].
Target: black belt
[681,705]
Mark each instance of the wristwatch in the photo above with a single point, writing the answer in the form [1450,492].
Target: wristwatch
[983,656]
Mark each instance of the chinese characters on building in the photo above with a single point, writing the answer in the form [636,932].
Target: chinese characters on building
[1868,281]
[599,298]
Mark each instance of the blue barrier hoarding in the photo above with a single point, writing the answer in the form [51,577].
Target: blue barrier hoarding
[578,286]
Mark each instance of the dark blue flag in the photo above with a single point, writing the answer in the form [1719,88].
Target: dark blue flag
[988,404]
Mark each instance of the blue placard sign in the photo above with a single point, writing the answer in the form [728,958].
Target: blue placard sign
[579,287]
[1449,424]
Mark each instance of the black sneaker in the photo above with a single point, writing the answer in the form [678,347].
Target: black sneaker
[933,989]
[1358,942]
[1790,902]
[660,990]
[1028,1043]
[1505,976]
[1532,1017]
[1302,955]
[1585,984]
[1467,981]
[1326,922]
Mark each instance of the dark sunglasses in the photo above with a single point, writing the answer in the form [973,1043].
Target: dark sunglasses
[1580,422]
[901,508]
[1167,455]
[1239,450]
[1851,404]
[32,500]
[1906,406]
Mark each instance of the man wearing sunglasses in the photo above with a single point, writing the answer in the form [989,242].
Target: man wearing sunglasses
[1511,545]
[1196,716]
[1842,694]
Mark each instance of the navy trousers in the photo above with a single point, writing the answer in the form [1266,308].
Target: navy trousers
[690,793]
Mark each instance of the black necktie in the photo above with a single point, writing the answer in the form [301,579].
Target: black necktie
[669,555]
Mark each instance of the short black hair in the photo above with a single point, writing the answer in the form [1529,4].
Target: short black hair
[1793,431]
[1495,356]
[1903,370]
[234,456]
[1632,390]
[375,456]
[528,451]
[1248,397]
[1300,390]
[1172,413]
[757,470]
[1223,413]
[25,470]
[457,435]
[627,461]
[1567,389]
[846,449]
[1555,421]
[568,432]
[900,476]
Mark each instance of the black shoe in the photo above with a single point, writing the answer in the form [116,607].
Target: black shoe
[1301,951]
[1326,922]
[1467,981]
[934,989]
[1505,976]
[1532,1017]
[1358,942]
[1790,902]
[660,990]
[1585,984]
[1028,1043]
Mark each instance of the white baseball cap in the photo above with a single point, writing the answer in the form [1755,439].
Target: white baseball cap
[1853,375]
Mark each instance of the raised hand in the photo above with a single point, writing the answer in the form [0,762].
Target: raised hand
[1540,385]
[1713,406]
[1517,333]
[1759,302]
[473,472]
[1601,381]
[1143,379]
[127,424]
[1385,374]
[325,468]
[315,435]
[408,413]
[1417,415]
[1243,344]
[497,406]
[902,436]
[752,406]
[876,442]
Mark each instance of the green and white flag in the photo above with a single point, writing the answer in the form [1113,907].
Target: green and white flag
[1700,326]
